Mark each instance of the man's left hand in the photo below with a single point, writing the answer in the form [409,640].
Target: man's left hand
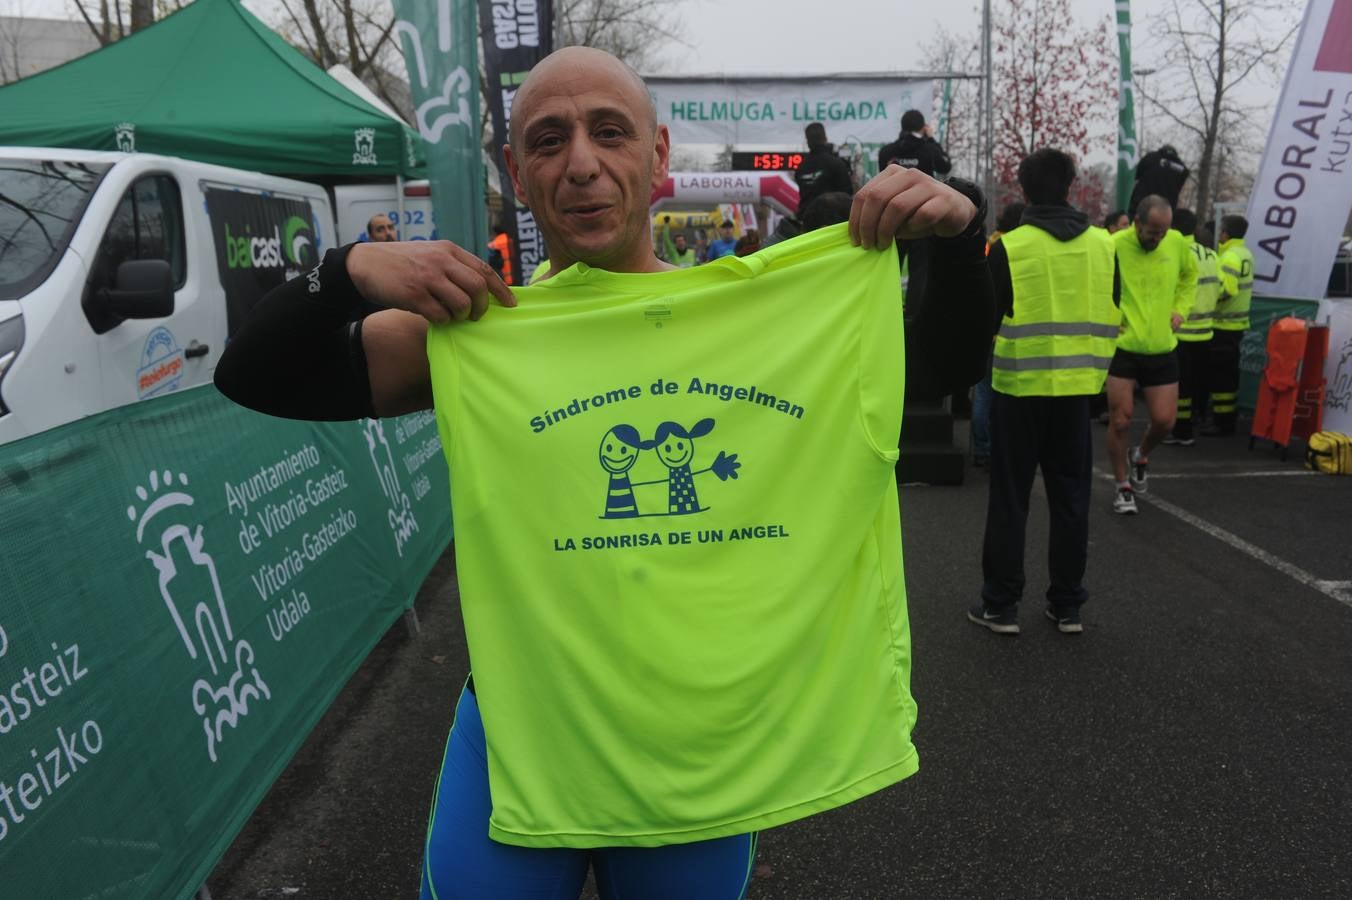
[904,204]
[1175,321]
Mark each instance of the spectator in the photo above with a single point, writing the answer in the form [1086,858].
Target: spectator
[916,148]
[379,229]
[821,169]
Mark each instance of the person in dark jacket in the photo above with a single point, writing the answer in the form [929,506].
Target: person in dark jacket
[822,170]
[915,148]
[1159,172]
[1050,358]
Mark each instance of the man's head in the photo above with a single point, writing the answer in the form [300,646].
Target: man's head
[380,229]
[1045,176]
[1185,221]
[1153,217]
[585,153]
[725,230]
[1116,220]
[1233,227]
[815,134]
[679,241]
[1203,236]
[1010,217]
[825,209]
[913,120]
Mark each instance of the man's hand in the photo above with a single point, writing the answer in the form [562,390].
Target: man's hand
[1175,321]
[906,203]
[435,279]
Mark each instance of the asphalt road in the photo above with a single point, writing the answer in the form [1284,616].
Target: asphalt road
[1195,741]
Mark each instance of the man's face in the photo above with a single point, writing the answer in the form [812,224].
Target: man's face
[1151,230]
[587,158]
[725,231]
[380,229]
[679,241]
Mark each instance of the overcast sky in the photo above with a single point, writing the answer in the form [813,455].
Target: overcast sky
[774,36]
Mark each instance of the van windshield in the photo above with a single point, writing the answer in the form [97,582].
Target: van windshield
[41,202]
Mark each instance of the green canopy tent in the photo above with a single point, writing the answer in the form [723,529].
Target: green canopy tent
[210,83]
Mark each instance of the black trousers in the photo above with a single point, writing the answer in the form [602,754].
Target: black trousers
[1224,378]
[1028,433]
[1193,365]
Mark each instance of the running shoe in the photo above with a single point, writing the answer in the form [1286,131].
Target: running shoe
[1001,621]
[1180,442]
[1124,503]
[1138,471]
[1067,620]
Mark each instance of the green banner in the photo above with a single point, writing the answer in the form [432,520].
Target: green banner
[184,588]
[1128,153]
[441,50]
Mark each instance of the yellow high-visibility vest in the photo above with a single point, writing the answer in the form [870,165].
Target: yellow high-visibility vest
[1198,326]
[1059,338]
[1236,265]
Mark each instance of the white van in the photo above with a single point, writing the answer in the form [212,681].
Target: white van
[357,203]
[123,275]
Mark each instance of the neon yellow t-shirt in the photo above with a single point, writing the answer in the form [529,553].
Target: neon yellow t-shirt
[679,546]
[1155,284]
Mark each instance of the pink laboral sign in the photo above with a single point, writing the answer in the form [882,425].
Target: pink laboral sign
[1335,51]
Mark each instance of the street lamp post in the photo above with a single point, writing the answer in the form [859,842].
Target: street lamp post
[1140,119]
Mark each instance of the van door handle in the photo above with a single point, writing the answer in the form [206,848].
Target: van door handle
[195,350]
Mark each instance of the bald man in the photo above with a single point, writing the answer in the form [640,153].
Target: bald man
[380,229]
[585,151]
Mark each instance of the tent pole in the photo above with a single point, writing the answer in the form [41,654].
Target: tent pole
[399,193]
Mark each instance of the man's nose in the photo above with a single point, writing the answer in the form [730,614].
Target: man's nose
[583,163]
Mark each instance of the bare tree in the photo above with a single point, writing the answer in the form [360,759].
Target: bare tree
[960,110]
[634,30]
[1052,76]
[355,33]
[109,26]
[1207,49]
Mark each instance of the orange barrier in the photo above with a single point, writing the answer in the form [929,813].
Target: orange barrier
[1291,392]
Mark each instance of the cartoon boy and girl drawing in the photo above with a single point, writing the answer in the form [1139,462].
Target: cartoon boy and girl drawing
[674,445]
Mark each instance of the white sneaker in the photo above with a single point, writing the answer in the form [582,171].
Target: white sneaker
[1138,471]
[1124,504]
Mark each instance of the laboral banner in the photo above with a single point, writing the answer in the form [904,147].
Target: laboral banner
[516,35]
[441,51]
[774,111]
[1301,199]
[185,586]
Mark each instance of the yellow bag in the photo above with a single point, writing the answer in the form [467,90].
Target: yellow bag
[1329,451]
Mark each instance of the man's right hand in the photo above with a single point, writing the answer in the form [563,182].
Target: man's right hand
[434,279]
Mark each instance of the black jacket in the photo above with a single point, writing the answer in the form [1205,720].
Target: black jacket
[1063,223]
[1158,172]
[913,151]
[821,172]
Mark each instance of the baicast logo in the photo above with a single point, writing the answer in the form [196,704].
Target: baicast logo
[125,133]
[249,252]
[365,141]
[299,245]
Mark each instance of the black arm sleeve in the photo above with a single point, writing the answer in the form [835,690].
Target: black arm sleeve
[949,342]
[942,164]
[299,353]
[1117,283]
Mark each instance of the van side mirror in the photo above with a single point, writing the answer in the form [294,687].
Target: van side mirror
[144,289]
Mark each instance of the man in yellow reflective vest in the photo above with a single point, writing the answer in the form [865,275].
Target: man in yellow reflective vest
[1194,336]
[1232,320]
[1056,290]
[1159,282]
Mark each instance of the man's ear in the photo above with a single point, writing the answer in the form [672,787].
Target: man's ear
[661,156]
[513,169]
